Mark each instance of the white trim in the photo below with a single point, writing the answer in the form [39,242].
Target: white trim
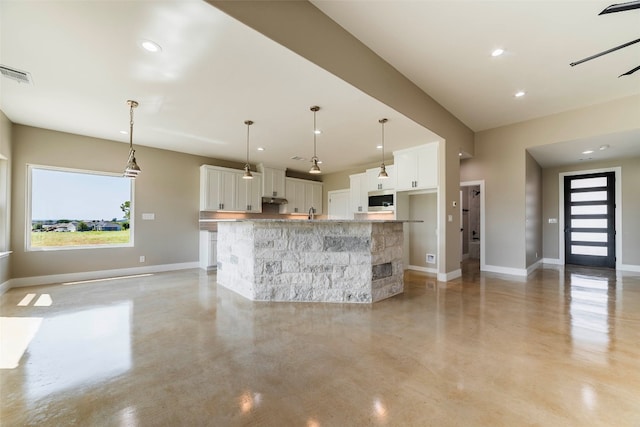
[554,261]
[422,269]
[483,234]
[5,254]
[445,277]
[533,267]
[101,274]
[4,287]
[618,202]
[629,267]
[505,270]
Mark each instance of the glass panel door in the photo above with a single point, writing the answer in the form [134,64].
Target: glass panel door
[589,206]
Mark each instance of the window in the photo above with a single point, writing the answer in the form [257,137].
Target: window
[75,209]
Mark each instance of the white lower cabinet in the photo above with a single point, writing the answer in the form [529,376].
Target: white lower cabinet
[208,250]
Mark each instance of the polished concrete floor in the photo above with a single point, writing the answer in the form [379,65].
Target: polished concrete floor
[561,348]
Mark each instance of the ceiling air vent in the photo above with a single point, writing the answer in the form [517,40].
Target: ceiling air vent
[17,75]
[298,158]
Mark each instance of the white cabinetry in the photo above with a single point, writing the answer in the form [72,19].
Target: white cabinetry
[359,200]
[208,250]
[302,195]
[224,189]
[273,182]
[375,184]
[250,193]
[417,167]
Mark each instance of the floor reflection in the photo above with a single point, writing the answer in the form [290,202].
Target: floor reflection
[591,299]
[85,347]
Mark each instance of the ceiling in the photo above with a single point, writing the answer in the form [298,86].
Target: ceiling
[213,73]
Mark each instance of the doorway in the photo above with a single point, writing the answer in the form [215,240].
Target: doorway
[590,220]
[472,220]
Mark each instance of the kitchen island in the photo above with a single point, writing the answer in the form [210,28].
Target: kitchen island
[346,261]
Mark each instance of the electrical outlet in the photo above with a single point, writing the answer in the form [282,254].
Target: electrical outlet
[431,258]
[142,258]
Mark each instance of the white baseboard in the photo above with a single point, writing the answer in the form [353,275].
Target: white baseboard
[441,277]
[555,261]
[5,287]
[422,269]
[533,267]
[91,275]
[445,277]
[505,270]
[630,267]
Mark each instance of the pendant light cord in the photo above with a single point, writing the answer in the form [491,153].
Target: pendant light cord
[315,129]
[131,126]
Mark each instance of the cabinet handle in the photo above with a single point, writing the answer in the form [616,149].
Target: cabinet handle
[275,193]
[359,208]
[295,210]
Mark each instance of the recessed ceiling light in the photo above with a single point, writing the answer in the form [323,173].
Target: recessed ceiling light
[604,147]
[124,132]
[587,152]
[497,52]
[260,148]
[317,131]
[150,46]
[520,94]
[459,153]
[379,147]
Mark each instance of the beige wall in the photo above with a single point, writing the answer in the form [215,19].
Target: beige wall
[5,196]
[500,160]
[423,237]
[337,51]
[168,187]
[533,210]
[630,178]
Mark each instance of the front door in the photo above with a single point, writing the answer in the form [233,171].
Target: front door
[589,212]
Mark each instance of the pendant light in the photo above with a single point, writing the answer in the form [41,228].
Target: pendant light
[383,171]
[247,168]
[315,169]
[132,170]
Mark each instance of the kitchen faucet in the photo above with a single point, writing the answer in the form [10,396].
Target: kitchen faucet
[312,212]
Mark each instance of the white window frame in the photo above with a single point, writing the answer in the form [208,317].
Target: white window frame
[28,219]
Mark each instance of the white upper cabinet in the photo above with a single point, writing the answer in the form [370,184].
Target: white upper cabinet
[302,195]
[376,184]
[218,189]
[250,193]
[273,182]
[358,197]
[224,189]
[417,167]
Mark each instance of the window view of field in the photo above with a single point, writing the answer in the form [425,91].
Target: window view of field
[80,238]
[68,208]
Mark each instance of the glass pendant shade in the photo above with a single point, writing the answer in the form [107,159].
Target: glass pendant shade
[247,167]
[383,170]
[315,169]
[132,170]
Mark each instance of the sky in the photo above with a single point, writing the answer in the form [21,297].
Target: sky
[70,195]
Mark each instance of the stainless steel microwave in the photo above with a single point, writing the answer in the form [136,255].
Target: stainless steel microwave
[381,201]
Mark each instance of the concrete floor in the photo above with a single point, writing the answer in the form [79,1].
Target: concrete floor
[561,348]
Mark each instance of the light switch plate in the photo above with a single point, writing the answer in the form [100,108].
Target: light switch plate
[149,216]
[553,220]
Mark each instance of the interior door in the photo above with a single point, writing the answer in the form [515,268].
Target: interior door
[589,210]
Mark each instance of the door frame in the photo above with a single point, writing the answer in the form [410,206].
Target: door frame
[483,233]
[618,213]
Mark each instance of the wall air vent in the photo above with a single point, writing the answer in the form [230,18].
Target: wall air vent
[17,75]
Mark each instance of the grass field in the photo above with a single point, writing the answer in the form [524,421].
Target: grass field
[84,238]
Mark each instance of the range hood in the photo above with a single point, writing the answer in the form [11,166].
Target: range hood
[274,200]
